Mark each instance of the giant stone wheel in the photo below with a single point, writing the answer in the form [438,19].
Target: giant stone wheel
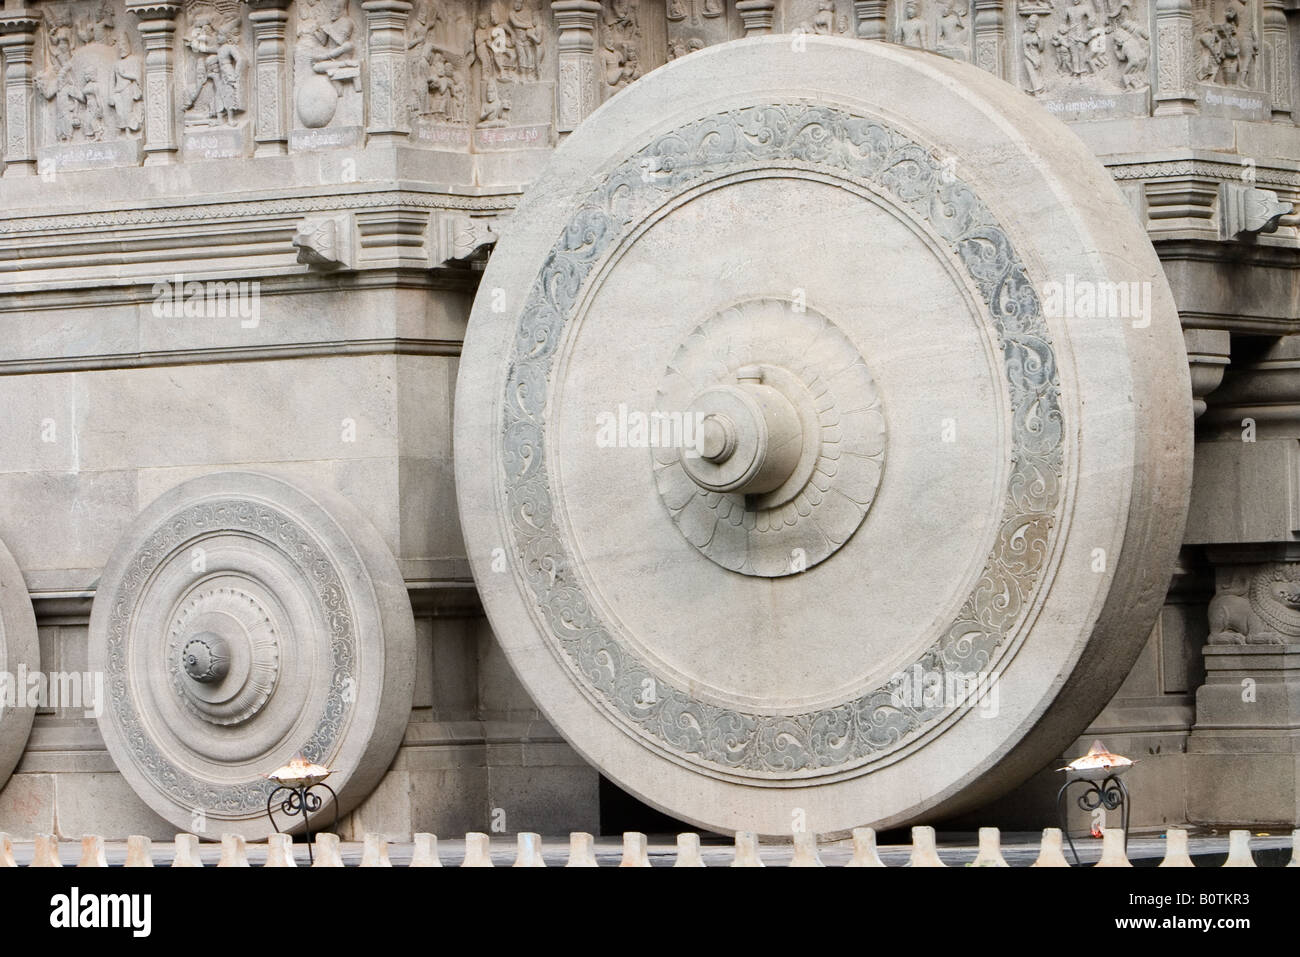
[241,620]
[19,661]
[794,494]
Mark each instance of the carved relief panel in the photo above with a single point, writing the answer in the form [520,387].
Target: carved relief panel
[1086,59]
[942,26]
[1228,65]
[328,50]
[213,78]
[514,68]
[695,24]
[89,82]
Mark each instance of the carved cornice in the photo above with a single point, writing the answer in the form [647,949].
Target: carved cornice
[1200,168]
[16,22]
[153,9]
[180,213]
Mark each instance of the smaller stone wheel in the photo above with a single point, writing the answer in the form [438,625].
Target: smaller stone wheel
[243,620]
[19,654]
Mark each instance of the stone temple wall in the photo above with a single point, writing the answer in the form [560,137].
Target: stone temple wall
[340,171]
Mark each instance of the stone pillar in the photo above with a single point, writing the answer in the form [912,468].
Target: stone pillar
[577,93]
[990,43]
[756,15]
[1277,60]
[157,20]
[17,40]
[386,40]
[271,118]
[870,15]
[1175,58]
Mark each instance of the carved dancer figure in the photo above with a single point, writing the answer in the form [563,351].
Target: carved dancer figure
[1033,47]
[527,38]
[228,85]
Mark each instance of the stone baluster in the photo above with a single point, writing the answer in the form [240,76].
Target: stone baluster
[581,850]
[17,41]
[326,852]
[1295,850]
[1112,848]
[46,851]
[92,852]
[1176,849]
[1239,850]
[157,21]
[990,849]
[139,851]
[635,849]
[1049,850]
[529,852]
[688,851]
[864,849]
[478,850]
[1277,60]
[870,15]
[386,40]
[756,15]
[7,851]
[187,851]
[925,852]
[990,37]
[374,852]
[747,850]
[577,92]
[234,852]
[270,20]
[1175,58]
[805,850]
[279,851]
[426,851]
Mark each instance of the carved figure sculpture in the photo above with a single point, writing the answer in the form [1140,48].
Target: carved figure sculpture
[1033,46]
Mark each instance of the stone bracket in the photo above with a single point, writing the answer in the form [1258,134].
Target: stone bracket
[326,242]
[457,239]
[1248,210]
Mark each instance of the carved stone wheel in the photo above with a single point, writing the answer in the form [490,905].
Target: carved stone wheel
[20,655]
[795,494]
[240,621]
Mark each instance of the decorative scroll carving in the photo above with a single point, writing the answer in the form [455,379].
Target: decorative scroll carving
[1256,605]
[838,144]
